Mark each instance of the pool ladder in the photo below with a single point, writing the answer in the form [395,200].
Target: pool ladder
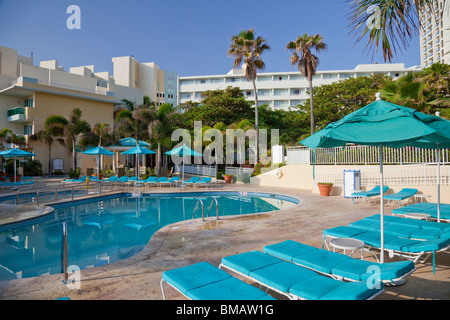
[214,200]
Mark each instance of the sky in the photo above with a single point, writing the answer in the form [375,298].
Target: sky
[190,38]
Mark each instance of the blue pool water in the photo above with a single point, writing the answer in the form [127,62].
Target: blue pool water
[110,228]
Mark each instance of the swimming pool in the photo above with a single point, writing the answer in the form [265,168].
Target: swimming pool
[110,228]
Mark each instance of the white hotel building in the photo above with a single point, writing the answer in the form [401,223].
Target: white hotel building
[280,89]
[435,34]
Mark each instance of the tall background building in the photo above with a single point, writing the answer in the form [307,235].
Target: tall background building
[435,34]
[280,89]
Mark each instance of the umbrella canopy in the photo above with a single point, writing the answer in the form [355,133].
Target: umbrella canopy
[181,152]
[383,124]
[131,142]
[98,151]
[137,151]
[15,153]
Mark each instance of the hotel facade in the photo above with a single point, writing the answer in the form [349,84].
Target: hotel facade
[280,90]
[29,94]
[435,34]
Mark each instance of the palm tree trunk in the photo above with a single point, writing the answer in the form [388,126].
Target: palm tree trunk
[74,155]
[256,123]
[49,159]
[311,106]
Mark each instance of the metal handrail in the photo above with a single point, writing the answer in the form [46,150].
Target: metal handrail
[217,208]
[92,186]
[64,254]
[203,209]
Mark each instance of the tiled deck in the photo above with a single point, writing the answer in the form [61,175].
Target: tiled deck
[193,241]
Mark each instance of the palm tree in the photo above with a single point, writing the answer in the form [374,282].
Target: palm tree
[161,128]
[53,130]
[394,23]
[307,62]
[75,127]
[247,49]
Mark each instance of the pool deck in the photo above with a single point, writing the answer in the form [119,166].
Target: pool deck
[192,241]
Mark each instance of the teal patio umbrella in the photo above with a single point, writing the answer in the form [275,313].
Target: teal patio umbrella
[16,153]
[137,151]
[182,152]
[98,151]
[383,124]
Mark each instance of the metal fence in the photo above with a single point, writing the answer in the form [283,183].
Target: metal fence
[364,155]
[407,175]
[199,170]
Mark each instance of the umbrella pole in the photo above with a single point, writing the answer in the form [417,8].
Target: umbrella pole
[380,152]
[14,159]
[439,183]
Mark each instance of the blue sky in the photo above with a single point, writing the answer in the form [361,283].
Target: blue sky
[188,37]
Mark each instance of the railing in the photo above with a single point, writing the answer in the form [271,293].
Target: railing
[214,201]
[365,155]
[48,194]
[407,175]
[240,174]
[200,170]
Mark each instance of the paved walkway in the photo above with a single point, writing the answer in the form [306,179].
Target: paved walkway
[193,241]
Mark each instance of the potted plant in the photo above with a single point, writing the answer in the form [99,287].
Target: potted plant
[228,178]
[325,188]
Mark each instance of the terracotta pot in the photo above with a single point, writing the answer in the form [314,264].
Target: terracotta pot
[228,179]
[12,179]
[325,189]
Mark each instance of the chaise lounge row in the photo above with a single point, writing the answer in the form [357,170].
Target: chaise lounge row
[293,269]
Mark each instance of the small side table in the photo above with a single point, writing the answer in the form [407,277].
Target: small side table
[417,215]
[421,197]
[348,244]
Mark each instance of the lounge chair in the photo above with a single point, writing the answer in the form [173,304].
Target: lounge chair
[394,245]
[155,182]
[294,281]
[149,179]
[368,194]
[122,179]
[9,186]
[203,281]
[426,207]
[172,180]
[81,179]
[339,266]
[191,181]
[401,195]
[405,228]
[205,181]
[110,179]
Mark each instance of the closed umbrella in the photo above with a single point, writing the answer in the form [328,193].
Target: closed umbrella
[98,151]
[137,151]
[181,152]
[16,153]
[383,124]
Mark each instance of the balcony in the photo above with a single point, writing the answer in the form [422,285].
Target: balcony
[17,114]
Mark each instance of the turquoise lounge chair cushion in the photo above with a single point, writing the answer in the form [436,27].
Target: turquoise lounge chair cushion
[323,288]
[401,195]
[321,260]
[343,232]
[250,261]
[228,289]
[358,270]
[288,249]
[194,276]
[282,275]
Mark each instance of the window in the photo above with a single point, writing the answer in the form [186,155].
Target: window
[264,78]
[280,92]
[220,80]
[233,79]
[28,129]
[264,92]
[29,103]
[296,92]
[186,95]
[280,78]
